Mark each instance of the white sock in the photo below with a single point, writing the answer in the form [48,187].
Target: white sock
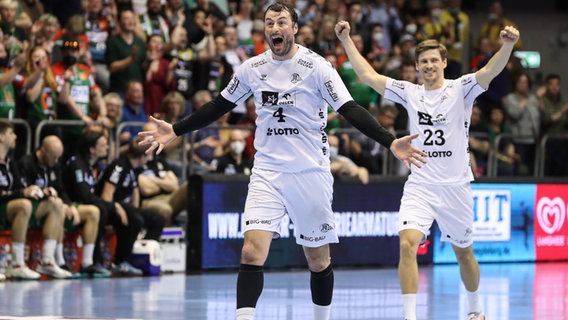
[321,312]
[18,253]
[48,252]
[409,301]
[473,301]
[87,258]
[59,258]
[245,313]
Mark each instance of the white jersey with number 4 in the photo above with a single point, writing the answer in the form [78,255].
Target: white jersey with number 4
[441,118]
[291,99]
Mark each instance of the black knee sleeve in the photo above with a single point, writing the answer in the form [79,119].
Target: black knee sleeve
[249,285]
[321,284]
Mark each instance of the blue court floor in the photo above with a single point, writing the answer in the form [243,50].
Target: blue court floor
[509,291]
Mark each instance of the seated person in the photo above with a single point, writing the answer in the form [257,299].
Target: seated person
[343,165]
[159,186]
[119,183]
[233,160]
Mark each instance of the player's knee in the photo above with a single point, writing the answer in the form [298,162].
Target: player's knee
[408,247]
[251,255]
[464,254]
[21,207]
[92,213]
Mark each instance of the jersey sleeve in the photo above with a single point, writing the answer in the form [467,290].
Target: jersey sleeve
[332,88]
[471,88]
[396,91]
[238,90]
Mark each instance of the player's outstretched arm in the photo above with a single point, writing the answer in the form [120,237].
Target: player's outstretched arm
[364,122]
[166,132]
[363,69]
[509,36]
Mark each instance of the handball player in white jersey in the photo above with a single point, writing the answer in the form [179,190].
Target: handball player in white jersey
[439,111]
[292,87]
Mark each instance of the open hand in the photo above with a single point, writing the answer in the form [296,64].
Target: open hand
[405,152]
[158,138]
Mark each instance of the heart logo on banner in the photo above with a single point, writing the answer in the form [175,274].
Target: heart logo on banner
[551,214]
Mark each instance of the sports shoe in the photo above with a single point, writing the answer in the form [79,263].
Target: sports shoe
[53,270]
[2,277]
[95,270]
[475,316]
[126,268]
[21,272]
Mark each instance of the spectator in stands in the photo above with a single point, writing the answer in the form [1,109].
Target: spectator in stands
[185,60]
[42,169]
[479,145]
[233,160]
[218,21]
[385,13]
[133,109]
[76,78]
[495,22]
[29,203]
[173,109]
[15,201]
[43,34]
[98,27]
[119,183]
[154,22]
[159,76]
[554,122]
[248,120]
[242,20]
[504,148]
[40,89]
[235,56]
[342,165]
[483,50]
[175,13]
[207,140]
[160,189]
[33,9]
[306,37]
[125,53]
[16,33]
[361,93]
[456,24]
[75,30]
[80,179]
[523,117]
[113,103]
[9,75]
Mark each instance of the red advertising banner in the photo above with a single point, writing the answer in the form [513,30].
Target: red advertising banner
[550,222]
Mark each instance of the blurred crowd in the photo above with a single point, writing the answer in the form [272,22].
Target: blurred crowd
[110,64]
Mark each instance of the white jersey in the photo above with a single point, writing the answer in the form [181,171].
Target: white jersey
[441,118]
[291,99]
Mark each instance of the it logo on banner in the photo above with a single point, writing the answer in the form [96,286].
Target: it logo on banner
[551,214]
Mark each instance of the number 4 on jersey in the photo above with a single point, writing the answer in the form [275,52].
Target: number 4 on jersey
[279,114]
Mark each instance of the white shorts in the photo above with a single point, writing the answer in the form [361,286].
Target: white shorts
[306,197]
[451,207]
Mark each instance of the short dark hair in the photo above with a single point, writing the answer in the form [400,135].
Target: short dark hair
[87,141]
[552,76]
[135,150]
[429,45]
[279,6]
[5,125]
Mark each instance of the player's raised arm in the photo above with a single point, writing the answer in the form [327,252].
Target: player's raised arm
[509,36]
[363,69]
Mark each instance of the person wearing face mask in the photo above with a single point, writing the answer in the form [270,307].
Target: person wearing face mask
[233,162]
[77,79]
[377,55]
[495,22]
